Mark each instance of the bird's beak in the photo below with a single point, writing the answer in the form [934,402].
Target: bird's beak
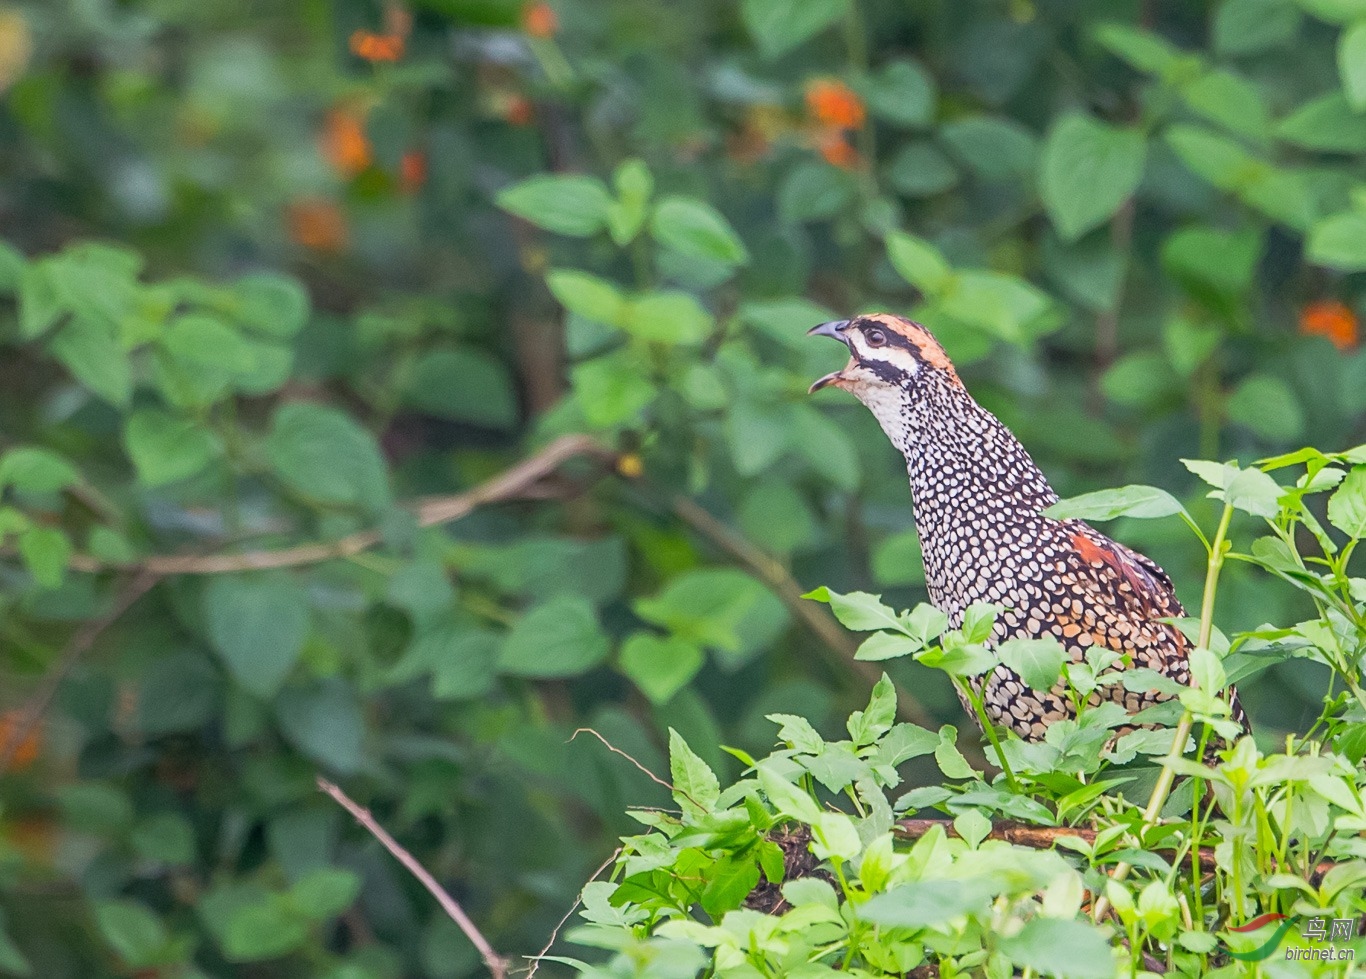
[834,330]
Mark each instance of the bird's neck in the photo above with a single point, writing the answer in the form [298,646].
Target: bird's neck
[968,470]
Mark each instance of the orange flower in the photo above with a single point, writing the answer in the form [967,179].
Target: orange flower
[519,111]
[29,745]
[412,172]
[377,47]
[344,142]
[1331,319]
[833,103]
[837,151]
[316,223]
[539,20]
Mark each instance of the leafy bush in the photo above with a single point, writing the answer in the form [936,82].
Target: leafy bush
[392,389]
[1257,833]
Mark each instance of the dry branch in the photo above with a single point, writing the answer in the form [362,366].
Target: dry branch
[497,965]
[514,483]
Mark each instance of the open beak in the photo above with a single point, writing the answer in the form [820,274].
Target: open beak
[833,330]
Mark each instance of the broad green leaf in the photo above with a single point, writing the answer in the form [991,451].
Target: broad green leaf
[326,892]
[1141,49]
[257,623]
[994,147]
[660,665]
[902,92]
[165,447]
[926,903]
[265,930]
[668,316]
[1251,26]
[1326,123]
[787,798]
[91,351]
[135,933]
[918,262]
[612,390]
[712,607]
[558,638]
[588,296]
[1250,490]
[867,725]
[569,205]
[323,720]
[1087,171]
[1214,259]
[273,304]
[31,469]
[325,455]
[1229,100]
[45,551]
[886,645]
[11,958]
[1037,661]
[1057,947]
[1352,63]
[462,384]
[798,732]
[921,170]
[1127,501]
[696,788]
[1335,11]
[777,26]
[731,880]
[813,191]
[1003,305]
[1220,160]
[634,184]
[949,759]
[858,610]
[1266,404]
[1339,242]
[693,227]
[1347,505]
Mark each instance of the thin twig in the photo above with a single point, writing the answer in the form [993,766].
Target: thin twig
[79,644]
[648,774]
[772,572]
[497,965]
[555,933]
[509,484]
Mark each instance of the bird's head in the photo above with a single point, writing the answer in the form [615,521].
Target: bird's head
[893,364]
[885,352]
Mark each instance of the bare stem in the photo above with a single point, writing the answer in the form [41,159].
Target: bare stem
[497,965]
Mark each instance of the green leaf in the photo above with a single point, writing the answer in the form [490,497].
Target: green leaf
[1347,505]
[858,610]
[326,892]
[1327,123]
[30,469]
[1339,242]
[462,384]
[11,958]
[813,191]
[918,262]
[569,205]
[926,903]
[1352,63]
[659,665]
[612,390]
[257,623]
[777,26]
[867,725]
[708,607]
[886,645]
[993,147]
[322,454]
[264,930]
[1141,49]
[695,228]
[668,316]
[1128,501]
[1057,947]
[1335,11]
[135,933]
[695,787]
[165,447]
[1252,26]
[1267,405]
[323,720]
[921,170]
[902,92]
[1038,662]
[730,882]
[1229,100]
[588,296]
[634,184]
[45,551]
[91,351]
[557,638]
[273,304]
[949,759]
[1087,171]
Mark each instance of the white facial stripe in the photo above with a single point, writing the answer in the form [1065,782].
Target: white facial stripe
[898,357]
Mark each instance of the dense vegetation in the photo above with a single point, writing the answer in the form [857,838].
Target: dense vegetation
[391,390]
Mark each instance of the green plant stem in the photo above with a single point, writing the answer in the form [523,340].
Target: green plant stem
[1163,788]
[991,735]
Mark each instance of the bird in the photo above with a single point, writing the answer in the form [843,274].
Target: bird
[978,500]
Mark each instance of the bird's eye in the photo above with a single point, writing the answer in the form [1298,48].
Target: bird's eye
[876,338]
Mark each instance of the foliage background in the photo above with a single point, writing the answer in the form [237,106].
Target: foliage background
[1134,225]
